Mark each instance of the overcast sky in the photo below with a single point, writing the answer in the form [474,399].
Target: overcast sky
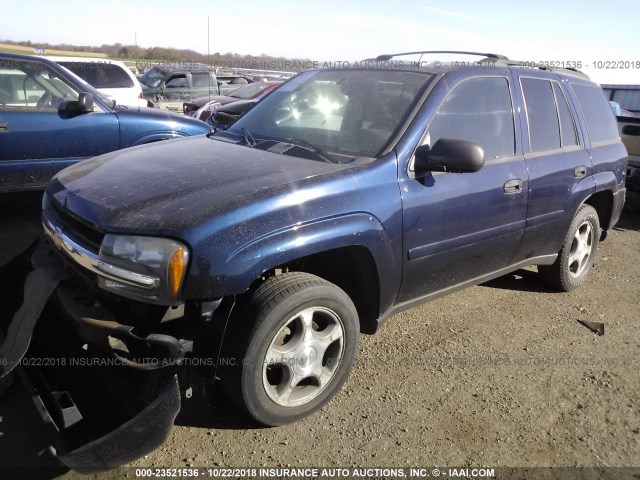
[584,31]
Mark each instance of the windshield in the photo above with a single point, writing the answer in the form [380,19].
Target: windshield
[348,113]
[152,77]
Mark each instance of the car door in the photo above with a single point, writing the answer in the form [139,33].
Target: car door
[459,227]
[177,87]
[203,84]
[559,166]
[36,138]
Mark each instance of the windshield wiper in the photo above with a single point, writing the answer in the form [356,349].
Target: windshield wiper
[298,142]
[248,137]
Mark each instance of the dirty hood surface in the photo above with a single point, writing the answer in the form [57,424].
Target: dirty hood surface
[174,184]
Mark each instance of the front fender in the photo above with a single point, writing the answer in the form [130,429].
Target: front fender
[155,137]
[251,260]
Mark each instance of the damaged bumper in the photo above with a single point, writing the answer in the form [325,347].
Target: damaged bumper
[97,327]
[140,435]
[108,391]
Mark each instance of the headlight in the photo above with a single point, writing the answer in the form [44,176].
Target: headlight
[145,268]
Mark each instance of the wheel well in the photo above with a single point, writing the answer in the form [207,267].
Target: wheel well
[354,271]
[603,204]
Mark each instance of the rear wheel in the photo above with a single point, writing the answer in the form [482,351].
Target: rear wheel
[291,348]
[578,252]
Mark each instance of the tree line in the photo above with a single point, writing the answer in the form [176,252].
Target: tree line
[160,54]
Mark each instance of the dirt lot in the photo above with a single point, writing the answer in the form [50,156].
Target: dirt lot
[500,375]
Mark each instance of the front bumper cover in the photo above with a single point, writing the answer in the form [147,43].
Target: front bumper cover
[140,435]
[139,404]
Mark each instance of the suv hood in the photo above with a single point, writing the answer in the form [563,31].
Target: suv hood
[174,184]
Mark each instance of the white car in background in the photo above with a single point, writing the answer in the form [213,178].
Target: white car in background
[110,77]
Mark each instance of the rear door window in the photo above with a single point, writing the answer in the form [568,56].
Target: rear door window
[544,130]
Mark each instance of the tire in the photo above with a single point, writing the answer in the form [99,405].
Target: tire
[578,252]
[292,344]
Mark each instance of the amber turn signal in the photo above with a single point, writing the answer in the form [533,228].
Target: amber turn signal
[177,268]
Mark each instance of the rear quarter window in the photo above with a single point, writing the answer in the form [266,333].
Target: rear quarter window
[598,115]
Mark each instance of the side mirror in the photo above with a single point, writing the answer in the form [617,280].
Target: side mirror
[84,104]
[449,155]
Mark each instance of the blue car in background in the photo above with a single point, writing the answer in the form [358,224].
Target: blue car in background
[50,119]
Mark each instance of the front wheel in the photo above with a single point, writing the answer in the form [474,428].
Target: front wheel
[578,252]
[291,348]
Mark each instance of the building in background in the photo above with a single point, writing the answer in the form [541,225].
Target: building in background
[628,96]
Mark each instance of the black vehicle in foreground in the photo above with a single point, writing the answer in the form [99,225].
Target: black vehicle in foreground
[254,257]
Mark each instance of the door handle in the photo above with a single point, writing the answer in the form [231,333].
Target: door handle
[4,125]
[513,186]
[580,171]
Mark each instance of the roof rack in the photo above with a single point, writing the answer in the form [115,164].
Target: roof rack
[387,57]
[518,63]
[492,58]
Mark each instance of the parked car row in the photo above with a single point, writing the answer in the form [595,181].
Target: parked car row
[82,107]
[50,118]
[110,77]
[167,84]
[171,82]
[202,107]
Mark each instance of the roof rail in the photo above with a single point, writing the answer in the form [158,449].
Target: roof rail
[524,64]
[387,57]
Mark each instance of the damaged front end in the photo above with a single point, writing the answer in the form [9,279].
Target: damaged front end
[106,374]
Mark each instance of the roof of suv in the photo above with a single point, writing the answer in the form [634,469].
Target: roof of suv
[488,60]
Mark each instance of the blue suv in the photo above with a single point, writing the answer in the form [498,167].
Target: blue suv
[342,198]
[50,119]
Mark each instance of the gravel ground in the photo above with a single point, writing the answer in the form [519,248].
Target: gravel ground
[499,375]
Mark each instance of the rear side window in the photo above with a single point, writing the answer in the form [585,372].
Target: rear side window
[544,131]
[100,74]
[478,110]
[601,124]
